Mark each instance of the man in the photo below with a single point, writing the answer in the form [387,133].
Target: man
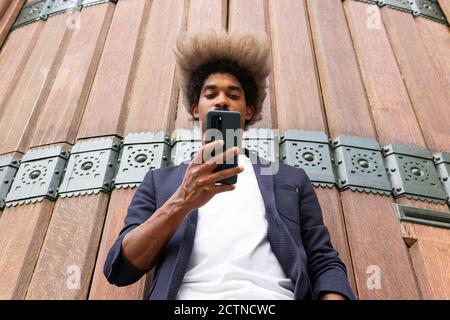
[262,238]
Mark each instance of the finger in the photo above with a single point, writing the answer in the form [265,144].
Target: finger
[223,174]
[219,188]
[206,150]
[223,157]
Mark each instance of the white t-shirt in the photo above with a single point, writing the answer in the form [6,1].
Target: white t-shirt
[232,257]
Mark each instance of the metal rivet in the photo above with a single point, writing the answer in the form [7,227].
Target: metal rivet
[399,189]
[308,156]
[445,178]
[343,181]
[393,170]
[141,158]
[416,171]
[6,181]
[363,163]
[87,165]
[35,174]
[110,164]
[56,171]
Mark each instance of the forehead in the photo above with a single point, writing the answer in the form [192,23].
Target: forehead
[219,78]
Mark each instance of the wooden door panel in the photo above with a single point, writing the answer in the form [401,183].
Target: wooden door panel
[60,118]
[22,231]
[152,98]
[68,255]
[387,95]
[13,58]
[36,80]
[9,10]
[298,97]
[252,15]
[427,93]
[107,107]
[203,14]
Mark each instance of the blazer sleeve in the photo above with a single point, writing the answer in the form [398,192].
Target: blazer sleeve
[118,269]
[325,269]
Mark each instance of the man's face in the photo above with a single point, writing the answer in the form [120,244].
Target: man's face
[222,91]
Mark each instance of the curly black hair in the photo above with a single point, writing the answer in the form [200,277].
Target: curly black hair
[198,78]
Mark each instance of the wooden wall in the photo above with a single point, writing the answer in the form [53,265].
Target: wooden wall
[340,67]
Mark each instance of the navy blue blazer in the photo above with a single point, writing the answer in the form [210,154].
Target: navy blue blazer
[296,232]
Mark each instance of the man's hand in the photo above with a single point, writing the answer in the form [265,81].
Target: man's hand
[332,296]
[199,183]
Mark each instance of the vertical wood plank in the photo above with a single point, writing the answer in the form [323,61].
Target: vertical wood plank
[22,231]
[427,93]
[13,58]
[67,257]
[100,288]
[297,92]
[251,15]
[298,99]
[36,80]
[10,10]
[436,38]
[431,258]
[203,14]
[152,98]
[387,95]
[345,102]
[61,115]
[154,90]
[377,248]
[116,69]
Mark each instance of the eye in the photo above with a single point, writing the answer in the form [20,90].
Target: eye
[210,95]
[235,96]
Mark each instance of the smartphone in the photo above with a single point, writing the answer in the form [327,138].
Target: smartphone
[225,125]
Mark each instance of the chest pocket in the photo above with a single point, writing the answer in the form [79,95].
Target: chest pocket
[286,198]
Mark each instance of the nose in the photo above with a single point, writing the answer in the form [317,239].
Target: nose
[221,101]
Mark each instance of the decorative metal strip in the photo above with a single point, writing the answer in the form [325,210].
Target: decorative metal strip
[359,165]
[8,168]
[413,174]
[310,151]
[141,152]
[185,143]
[442,162]
[38,176]
[265,142]
[43,9]
[423,216]
[91,167]
[429,9]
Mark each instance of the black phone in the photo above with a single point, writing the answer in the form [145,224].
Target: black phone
[225,125]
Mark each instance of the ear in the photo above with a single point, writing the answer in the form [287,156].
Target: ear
[249,111]
[194,111]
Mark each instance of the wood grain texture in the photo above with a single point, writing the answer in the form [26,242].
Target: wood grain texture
[13,58]
[375,240]
[36,80]
[427,93]
[67,257]
[203,14]
[155,92]
[436,38]
[152,99]
[22,231]
[115,73]
[10,10]
[4,5]
[297,92]
[386,92]
[347,109]
[431,260]
[101,289]
[252,15]
[334,220]
[61,115]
